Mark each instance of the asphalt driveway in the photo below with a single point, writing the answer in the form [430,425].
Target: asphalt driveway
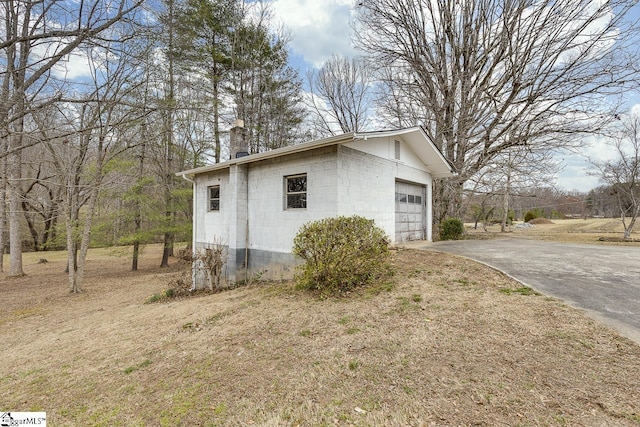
[603,280]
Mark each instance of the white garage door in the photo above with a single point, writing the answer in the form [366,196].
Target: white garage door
[410,212]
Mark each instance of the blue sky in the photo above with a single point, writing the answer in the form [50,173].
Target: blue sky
[320,28]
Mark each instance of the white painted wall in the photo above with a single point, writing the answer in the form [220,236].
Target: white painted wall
[366,186]
[209,226]
[271,226]
[341,180]
[385,148]
[380,147]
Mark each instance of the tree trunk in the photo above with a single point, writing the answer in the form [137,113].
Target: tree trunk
[134,258]
[629,227]
[86,231]
[3,204]
[72,216]
[448,199]
[15,232]
[137,219]
[167,250]
[505,201]
[50,222]
[73,252]
[31,224]
[72,247]
[76,274]
[216,121]
[169,172]
[18,75]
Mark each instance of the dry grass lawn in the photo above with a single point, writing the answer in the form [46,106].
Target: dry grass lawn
[450,343]
[562,230]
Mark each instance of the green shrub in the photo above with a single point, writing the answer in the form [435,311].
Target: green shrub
[340,254]
[451,229]
[533,214]
[530,215]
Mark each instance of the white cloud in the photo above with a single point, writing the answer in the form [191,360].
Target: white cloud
[574,175]
[74,66]
[319,28]
[576,166]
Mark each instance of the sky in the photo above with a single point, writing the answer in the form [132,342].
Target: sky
[321,28]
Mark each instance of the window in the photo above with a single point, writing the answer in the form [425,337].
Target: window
[296,191]
[397,149]
[408,198]
[214,198]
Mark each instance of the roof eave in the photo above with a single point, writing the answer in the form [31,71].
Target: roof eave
[325,142]
[291,149]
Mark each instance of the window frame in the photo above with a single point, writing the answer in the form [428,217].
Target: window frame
[211,199]
[288,193]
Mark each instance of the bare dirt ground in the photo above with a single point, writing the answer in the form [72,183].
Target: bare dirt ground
[449,343]
[592,230]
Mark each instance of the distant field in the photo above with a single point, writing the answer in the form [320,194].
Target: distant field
[568,230]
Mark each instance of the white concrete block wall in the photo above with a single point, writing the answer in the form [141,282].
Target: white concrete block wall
[214,225]
[367,186]
[236,210]
[271,226]
[340,181]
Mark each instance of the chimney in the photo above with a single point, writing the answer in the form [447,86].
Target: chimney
[238,140]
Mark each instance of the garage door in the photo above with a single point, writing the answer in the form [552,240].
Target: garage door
[410,212]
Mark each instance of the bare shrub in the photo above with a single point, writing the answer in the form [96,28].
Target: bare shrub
[212,260]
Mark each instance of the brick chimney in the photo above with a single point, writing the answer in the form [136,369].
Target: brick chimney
[238,146]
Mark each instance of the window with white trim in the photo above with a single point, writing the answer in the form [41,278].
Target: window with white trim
[214,197]
[295,191]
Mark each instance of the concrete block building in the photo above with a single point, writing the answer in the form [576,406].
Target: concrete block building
[255,204]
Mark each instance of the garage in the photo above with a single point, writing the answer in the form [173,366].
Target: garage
[410,211]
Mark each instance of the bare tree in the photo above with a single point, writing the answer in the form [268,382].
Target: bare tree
[515,173]
[340,95]
[397,101]
[3,198]
[480,69]
[144,138]
[622,174]
[100,119]
[31,28]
